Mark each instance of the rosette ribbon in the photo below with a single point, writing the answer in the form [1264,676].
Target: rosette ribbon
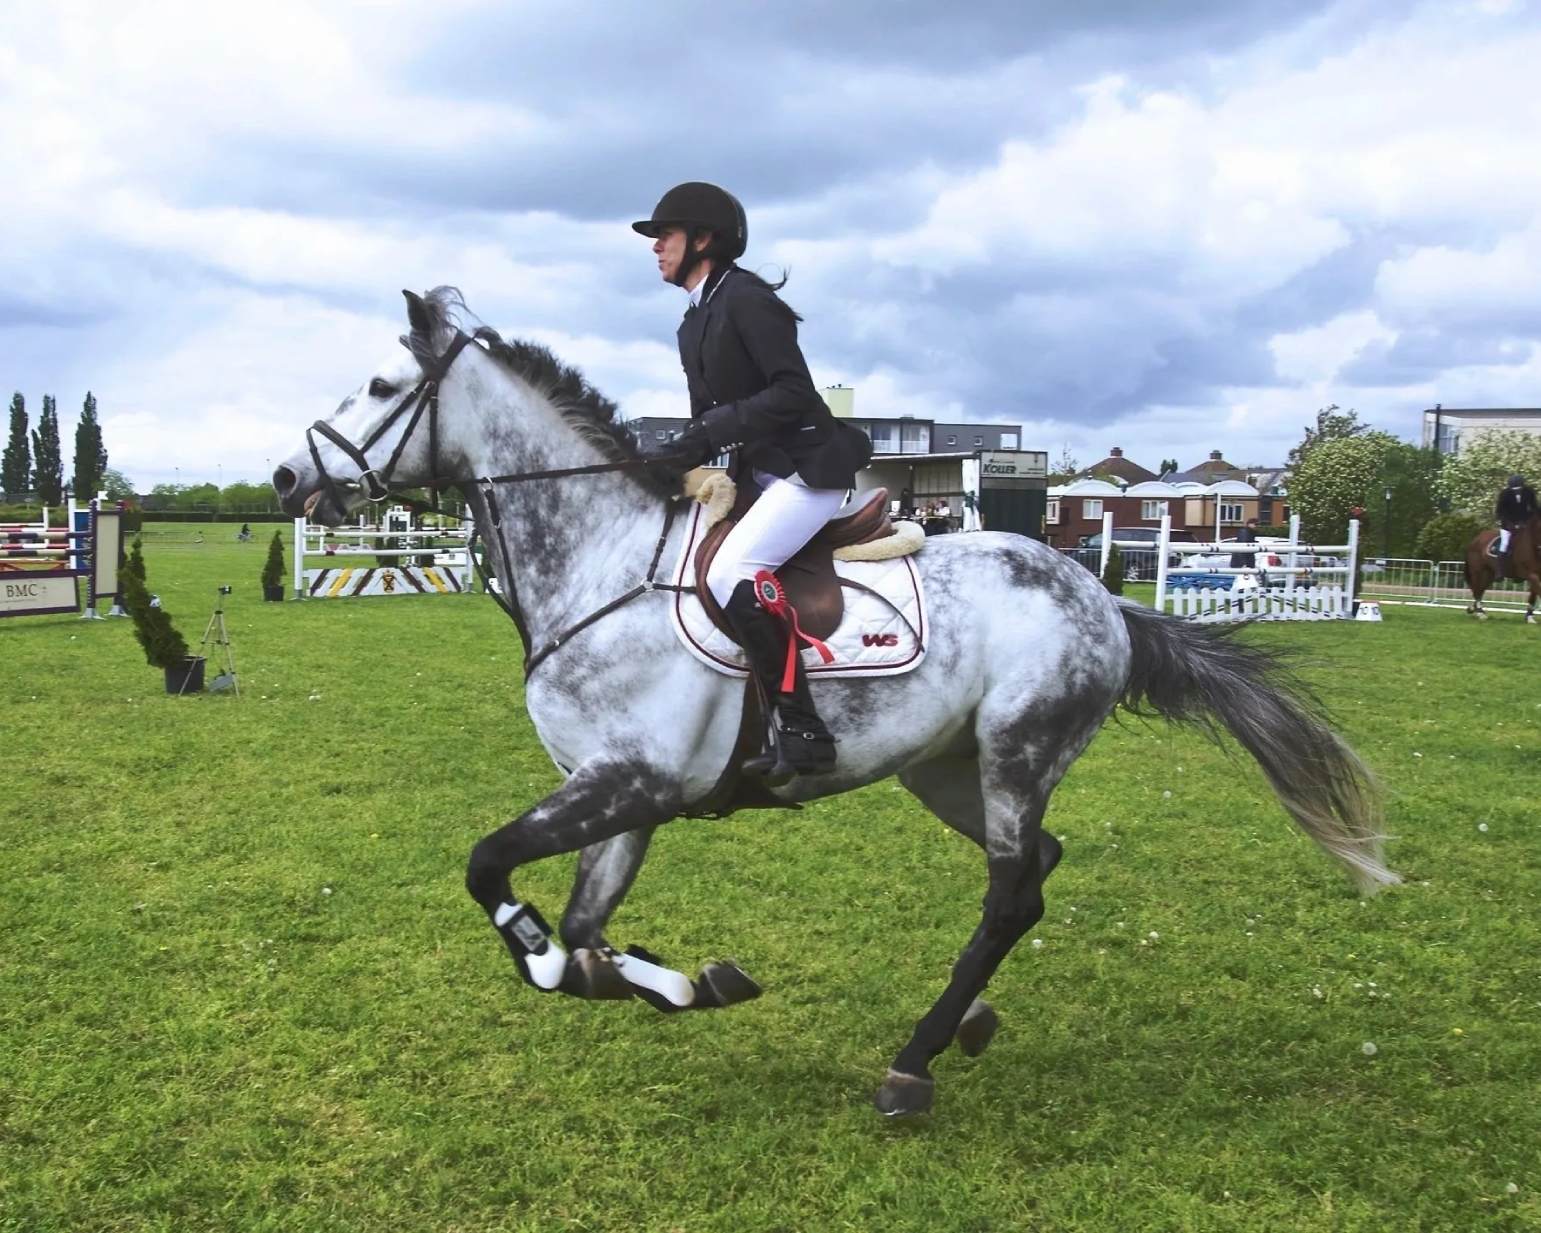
[773,598]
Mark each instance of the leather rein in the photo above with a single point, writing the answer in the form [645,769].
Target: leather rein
[376,486]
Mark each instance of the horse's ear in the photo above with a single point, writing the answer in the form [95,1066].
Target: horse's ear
[417,314]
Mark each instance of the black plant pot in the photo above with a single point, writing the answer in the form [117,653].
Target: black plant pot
[273,594]
[185,677]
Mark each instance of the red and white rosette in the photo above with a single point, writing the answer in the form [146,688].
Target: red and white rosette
[773,598]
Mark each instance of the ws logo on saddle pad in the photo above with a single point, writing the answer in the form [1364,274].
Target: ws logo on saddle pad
[882,631]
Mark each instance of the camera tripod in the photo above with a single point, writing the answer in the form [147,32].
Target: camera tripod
[216,633]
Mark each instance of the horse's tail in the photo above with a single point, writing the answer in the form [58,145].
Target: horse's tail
[1200,673]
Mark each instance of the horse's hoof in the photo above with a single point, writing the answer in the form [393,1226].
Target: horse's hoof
[978,1028]
[724,984]
[591,975]
[905,1095]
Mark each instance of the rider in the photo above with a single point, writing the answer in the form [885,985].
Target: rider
[750,392]
[1516,507]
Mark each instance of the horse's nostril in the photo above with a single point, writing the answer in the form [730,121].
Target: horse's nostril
[283,481]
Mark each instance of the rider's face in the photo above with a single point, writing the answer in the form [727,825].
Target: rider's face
[669,248]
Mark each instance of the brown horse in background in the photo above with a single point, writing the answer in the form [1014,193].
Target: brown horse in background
[1524,563]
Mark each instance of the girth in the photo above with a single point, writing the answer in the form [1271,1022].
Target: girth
[809,578]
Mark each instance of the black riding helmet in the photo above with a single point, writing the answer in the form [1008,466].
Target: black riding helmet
[1516,481]
[698,206]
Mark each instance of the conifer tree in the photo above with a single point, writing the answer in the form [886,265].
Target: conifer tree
[16,469]
[47,462]
[90,456]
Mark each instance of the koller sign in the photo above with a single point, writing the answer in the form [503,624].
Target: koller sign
[1014,464]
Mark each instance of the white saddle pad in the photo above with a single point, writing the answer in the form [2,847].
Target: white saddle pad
[875,638]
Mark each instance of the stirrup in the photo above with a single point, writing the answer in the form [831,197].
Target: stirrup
[792,749]
[799,745]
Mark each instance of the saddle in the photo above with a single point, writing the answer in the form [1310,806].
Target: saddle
[809,578]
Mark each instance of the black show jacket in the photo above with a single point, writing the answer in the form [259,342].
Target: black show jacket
[749,386]
[1516,505]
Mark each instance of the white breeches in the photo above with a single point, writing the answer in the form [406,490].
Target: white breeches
[1503,539]
[787,515]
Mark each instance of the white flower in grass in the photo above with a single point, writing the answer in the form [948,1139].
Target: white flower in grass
[1511,1188]
[1037,943]
[1368,1048]
[326,890]
[1482,826]
[1154,936]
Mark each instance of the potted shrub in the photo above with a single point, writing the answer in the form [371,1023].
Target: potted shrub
[164,647]
[273,571]
[1113,576]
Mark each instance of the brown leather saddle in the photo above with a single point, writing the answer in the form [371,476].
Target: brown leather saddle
[812,586]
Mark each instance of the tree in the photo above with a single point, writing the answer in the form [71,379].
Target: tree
[1067,464]
[1168,465]
[163,645]
[116,485]
[1445,536]
[1332,424]
[1410,474]
[1113,575]
[16,470]
[273,567]
[47,462]
[242,496]
[90,455]
[1470,480]
[1334,477]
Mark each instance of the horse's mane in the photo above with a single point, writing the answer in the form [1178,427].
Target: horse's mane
[582,407]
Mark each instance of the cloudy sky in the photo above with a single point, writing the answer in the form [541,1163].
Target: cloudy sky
[1170,226]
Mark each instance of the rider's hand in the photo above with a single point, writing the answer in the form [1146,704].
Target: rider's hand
[692,448]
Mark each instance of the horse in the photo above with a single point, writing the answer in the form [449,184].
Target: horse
[1027,655]
[1482,566]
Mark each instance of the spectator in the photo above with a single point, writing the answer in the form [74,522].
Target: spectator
[1247,535]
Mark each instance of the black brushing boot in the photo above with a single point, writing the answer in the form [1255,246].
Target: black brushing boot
[801,744]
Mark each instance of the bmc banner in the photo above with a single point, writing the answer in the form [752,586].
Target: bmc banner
[38,593]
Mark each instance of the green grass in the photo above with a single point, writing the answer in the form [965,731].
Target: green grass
[195,1034]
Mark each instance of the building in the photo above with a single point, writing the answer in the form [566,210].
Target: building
[1120,470]
[928,462]
[1209,511]
[1445,427]
[1211,471]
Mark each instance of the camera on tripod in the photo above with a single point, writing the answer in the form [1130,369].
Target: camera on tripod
[219,636]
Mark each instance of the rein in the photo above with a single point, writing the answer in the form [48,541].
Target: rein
[376,486]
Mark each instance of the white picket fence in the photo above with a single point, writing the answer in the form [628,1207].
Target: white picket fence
[1301,588]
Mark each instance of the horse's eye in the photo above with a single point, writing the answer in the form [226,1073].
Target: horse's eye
[381,389]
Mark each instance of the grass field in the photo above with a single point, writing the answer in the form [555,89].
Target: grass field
[241,986]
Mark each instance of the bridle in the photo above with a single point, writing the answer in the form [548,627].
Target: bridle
[375,483]
[424,396]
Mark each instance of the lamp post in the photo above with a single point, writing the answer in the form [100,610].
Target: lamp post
[1386,533]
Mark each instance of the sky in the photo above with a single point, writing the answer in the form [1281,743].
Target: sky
[1166,226]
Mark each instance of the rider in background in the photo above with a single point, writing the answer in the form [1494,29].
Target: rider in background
[750,392]
[1516,507]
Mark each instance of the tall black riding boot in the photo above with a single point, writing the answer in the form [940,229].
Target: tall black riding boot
[799,743]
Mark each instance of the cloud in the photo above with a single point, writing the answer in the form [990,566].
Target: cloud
[1184,228]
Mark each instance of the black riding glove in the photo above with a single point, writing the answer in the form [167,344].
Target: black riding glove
[692,448]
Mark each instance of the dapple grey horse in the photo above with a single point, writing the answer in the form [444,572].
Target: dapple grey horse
[1027,655]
